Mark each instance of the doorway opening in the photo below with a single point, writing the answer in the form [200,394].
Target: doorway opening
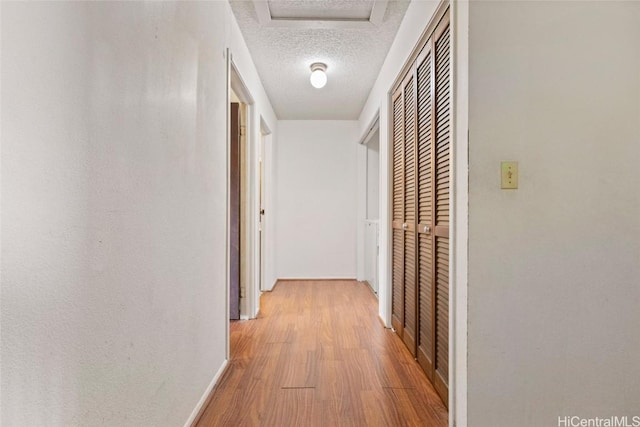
[243,286]
[371,208]
[238,192]
[265,137]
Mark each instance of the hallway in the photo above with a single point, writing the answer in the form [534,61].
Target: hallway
[486,183]
[319,356]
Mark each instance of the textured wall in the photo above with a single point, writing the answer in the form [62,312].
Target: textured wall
[413,24]
[554,267]
[261,113]
[113,210]
[316,204]
[373,176]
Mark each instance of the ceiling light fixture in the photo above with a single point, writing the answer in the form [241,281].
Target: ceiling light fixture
[318,75]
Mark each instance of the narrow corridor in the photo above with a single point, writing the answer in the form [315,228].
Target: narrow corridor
[318,355]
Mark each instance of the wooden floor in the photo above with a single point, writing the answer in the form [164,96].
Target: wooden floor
[318,355]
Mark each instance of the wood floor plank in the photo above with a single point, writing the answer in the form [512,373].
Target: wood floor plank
[319,356]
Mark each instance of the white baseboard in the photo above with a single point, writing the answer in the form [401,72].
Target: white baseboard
[315,279]
[388,326]
[205,396]
[269,289]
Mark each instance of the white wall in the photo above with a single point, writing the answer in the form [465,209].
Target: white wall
[412,27]
[261,109]
[316,200]
[554,267]
[113,206]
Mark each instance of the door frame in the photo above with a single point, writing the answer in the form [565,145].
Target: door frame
[261,186]
[234,246]
[363,199]
[459,220]
[236,83]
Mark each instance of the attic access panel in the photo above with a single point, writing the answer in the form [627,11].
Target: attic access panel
[321,9]
[320,13]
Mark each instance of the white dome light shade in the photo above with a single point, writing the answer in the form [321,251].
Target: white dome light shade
[318,76]
[318,79]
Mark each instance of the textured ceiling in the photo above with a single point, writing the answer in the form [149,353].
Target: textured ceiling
[353,56]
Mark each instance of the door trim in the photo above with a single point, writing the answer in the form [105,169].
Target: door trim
[261,246]
[459,212]
[237,84]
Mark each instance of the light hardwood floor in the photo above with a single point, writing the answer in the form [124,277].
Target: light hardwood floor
[318,355]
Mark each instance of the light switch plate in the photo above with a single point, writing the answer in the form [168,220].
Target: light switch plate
[509,175]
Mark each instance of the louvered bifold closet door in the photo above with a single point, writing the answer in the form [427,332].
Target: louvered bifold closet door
[421,170]
[410,210]
[397,297]
[441,174]
[426,331]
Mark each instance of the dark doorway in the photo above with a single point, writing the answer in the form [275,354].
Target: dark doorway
[234,228]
